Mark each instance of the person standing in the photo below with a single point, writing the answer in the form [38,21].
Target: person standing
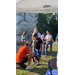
[39,35]
[23,37]
[48,41]
[37,47]
[36,31]
[42,38]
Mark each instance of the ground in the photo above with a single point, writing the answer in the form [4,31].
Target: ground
[42,68]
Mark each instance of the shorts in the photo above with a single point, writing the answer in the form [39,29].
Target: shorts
[38,53]
[25,59]
[23,40]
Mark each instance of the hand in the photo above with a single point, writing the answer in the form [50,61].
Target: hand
[44,41]
[33,54]
[40,50]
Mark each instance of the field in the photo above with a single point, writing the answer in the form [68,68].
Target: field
[42,68]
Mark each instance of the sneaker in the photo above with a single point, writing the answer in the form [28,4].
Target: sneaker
[34,63]
[37,64]
[50,56]
[45,56]
[29,67]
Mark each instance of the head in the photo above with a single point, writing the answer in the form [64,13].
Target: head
[43,33]
[28,43]
[35,36]
[48,32]
[35,31]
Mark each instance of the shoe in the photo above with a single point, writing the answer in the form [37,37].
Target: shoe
[34,63]
[45,56]
[37,64]
[29,67]
[50,56]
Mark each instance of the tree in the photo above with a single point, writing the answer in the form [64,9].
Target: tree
[48,22]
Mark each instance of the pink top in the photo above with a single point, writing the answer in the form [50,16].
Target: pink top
[48,36]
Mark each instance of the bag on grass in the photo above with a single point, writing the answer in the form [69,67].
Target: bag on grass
[52,64]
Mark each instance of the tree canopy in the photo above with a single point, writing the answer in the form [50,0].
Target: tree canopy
[48,22]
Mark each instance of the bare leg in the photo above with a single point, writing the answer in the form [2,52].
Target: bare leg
[39,59]
[35,59]
[29,59]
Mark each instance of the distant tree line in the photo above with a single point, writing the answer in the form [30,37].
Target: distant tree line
[48,22]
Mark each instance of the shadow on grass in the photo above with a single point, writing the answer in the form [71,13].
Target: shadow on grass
[54,53]
[41,71]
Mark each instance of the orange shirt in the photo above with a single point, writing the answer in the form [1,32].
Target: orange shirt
[22,52]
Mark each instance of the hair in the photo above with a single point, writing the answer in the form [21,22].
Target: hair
[35,30]
[23,34]
[35,34]
[26,44]
[49,31]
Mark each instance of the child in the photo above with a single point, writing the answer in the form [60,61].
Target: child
[23,37]
[37,47]
[42,38]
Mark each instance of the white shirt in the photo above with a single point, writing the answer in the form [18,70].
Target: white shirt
[48,36]
[39,35]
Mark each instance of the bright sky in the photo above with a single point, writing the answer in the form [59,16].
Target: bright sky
[53,13]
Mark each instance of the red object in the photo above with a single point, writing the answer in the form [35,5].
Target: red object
[44,44]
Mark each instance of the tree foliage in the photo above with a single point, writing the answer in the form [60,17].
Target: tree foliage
[48,22]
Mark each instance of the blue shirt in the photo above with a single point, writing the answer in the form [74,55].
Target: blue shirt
[23,37]
[42,36]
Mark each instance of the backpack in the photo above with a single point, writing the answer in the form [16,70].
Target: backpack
[52,64]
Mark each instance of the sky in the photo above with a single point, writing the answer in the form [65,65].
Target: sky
[53,13]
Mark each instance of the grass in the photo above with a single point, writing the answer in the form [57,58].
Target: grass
[41,69]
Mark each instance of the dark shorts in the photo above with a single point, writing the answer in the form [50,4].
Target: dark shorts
[25,59]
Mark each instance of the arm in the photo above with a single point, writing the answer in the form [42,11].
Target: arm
[33,47]
[49,40]
[40,47]
[40,36]
[45,38]
[31,53]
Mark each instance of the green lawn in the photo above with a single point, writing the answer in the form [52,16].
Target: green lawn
[41,69]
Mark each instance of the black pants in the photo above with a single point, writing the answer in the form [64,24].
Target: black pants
[25,59]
